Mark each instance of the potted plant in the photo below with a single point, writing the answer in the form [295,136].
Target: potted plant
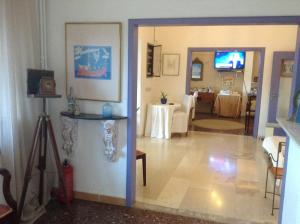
[163,98]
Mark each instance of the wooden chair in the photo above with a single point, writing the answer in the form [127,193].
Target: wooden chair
[250,111]
[277,173]
[141,155]
[8,213]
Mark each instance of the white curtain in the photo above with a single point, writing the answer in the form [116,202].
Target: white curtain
[19,50]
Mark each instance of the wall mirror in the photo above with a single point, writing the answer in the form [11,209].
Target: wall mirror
[197,70]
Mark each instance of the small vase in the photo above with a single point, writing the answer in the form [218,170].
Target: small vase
[163,100]
[107,110]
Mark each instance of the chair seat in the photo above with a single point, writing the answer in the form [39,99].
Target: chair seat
[139,154]
[5,211]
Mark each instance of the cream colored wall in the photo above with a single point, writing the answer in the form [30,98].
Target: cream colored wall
[284,94]
[179,39]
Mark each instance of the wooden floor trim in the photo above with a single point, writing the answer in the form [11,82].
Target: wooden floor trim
[99,198]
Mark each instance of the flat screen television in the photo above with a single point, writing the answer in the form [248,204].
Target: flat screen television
[230,60]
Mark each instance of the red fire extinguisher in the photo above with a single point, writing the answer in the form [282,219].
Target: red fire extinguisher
[68,177]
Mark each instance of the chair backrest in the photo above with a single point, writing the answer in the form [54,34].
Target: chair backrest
[187,103]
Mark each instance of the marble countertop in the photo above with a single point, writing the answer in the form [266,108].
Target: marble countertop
[291,128]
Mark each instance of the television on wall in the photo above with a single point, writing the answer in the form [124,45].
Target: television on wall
[230,60]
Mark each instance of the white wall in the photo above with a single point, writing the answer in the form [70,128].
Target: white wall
[179,39]
[61,11]
[291,203]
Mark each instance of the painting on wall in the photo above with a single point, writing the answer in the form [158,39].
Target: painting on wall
[93,60]
[287,68]
[171,64]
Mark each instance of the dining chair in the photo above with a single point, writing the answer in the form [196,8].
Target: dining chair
[8,213]
[180,119]
[277,173]
[141,155]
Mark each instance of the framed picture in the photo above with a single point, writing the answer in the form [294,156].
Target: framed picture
[171,64]
[287,68]
[93,62]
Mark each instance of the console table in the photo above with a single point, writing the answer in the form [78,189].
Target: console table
[70,129]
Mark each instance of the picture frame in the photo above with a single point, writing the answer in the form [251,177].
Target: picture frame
[93,60]
[287,68]
[197,70]
[171,64]
[47,87]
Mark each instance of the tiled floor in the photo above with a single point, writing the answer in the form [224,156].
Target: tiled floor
[219,175]
[87,212]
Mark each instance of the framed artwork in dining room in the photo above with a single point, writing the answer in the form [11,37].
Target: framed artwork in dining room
[93,64]
[171,64]
[287,68]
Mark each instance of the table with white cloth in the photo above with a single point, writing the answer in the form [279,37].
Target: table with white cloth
[159,120]
[228,105]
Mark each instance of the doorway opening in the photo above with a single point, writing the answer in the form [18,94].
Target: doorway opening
[228,99]
[133,49]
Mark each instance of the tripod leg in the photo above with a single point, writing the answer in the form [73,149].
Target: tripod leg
[56,156]
[29,167]
[42,159]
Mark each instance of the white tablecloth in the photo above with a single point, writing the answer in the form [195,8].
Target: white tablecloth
[159,120]
[270,144]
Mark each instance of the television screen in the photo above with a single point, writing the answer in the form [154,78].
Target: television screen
[229,60]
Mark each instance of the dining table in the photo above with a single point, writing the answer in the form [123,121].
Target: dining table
[159,120]
[228,105]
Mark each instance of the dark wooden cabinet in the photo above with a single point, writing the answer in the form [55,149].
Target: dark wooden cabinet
[206,97]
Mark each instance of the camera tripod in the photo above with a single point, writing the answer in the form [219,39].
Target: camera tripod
[39,145]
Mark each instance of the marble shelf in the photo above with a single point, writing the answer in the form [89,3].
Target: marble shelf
[96,117]
[291,128]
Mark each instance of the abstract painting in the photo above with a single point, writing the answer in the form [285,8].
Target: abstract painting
[92,62]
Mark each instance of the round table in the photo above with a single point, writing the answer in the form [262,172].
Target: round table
[159,120]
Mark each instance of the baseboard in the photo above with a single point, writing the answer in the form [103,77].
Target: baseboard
[99,198]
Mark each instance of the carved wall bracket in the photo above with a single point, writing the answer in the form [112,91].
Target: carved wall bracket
[69,134]
[110,139]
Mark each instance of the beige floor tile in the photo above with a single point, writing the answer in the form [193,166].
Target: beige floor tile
[173,193]
[215,174]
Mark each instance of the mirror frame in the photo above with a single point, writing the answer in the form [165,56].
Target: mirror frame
[196,61]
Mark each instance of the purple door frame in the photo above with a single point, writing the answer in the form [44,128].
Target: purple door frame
[261,50]
[278,56]
[133,25]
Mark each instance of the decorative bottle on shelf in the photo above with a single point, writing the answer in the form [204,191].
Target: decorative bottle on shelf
[107,110]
